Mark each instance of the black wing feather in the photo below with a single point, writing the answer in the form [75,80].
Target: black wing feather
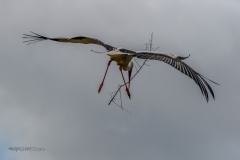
[80,39]
[182,67]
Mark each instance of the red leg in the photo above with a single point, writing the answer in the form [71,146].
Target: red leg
[100,87]
[127,90]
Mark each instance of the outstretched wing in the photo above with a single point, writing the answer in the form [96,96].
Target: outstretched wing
[85,40]
[176,62]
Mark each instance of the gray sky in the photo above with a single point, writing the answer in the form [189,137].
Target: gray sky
[48,91]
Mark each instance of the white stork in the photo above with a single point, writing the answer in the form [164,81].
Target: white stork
[123,59]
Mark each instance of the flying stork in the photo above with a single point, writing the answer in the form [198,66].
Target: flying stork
[123,58]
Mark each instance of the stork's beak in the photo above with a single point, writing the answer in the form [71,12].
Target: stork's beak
[129,77]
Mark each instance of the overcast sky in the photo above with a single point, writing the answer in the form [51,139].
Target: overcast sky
[48,91]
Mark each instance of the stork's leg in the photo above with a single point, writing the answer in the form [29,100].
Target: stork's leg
[127,90]
[100,87]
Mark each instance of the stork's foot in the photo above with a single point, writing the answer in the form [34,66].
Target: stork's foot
[100,87]
[128,93]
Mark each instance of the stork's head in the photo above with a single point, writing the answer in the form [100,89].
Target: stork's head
[130,67]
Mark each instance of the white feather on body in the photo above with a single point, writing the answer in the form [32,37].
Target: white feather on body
[121,58]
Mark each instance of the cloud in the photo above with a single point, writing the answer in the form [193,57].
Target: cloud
[48,91]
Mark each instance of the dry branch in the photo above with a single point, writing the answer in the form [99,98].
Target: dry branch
[149,47]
